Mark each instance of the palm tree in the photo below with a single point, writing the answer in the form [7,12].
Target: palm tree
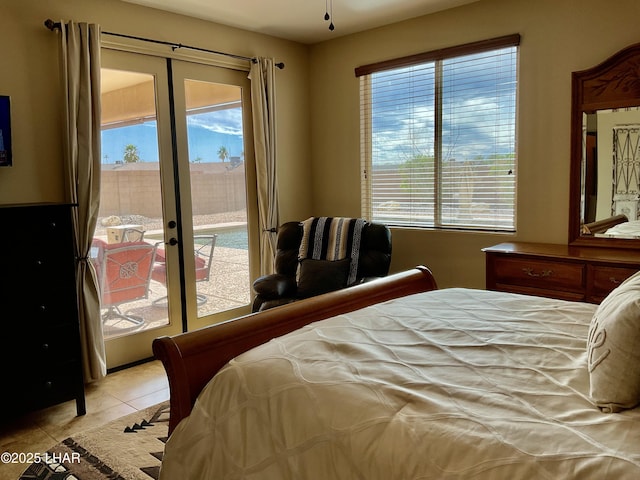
[131,154]
[223,153]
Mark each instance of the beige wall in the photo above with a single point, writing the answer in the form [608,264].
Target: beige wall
[318,116]
[558,37]
[29,74]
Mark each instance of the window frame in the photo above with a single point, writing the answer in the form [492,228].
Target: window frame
[364,73]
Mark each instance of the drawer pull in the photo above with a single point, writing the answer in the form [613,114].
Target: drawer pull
[614,280]
[530,272]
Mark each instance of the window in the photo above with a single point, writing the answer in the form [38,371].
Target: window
[438,137]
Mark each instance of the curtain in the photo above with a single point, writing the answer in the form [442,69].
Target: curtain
[262,76]
[80,56]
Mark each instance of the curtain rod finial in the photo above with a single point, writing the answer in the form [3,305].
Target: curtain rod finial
[51,25]
[280,65]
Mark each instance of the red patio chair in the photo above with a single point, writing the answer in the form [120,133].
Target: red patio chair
[203,246]
[124,273]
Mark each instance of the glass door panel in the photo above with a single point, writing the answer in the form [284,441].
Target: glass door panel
[128,250]
[218,195]
[216,218]
[177,163]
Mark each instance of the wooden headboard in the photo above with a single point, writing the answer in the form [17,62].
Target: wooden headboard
[191,359]
[603,225]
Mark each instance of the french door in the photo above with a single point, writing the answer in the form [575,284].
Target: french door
[174,237]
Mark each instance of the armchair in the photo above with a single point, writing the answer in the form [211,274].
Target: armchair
[296,278]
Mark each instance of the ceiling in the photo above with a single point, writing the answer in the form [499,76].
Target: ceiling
[303,20]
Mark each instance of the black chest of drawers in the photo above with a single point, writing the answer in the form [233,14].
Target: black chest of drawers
[41,356]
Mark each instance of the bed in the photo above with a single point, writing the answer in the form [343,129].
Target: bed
[630,229]
[399,380]
[617,226]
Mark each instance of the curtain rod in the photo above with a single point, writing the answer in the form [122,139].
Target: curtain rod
[51,25]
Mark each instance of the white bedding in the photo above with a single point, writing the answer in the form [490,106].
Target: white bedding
[629,229]
[454,383]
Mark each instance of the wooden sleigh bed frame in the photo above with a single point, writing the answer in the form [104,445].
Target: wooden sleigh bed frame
[192,359]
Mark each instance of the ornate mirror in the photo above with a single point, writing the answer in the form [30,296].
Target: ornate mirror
[605,153]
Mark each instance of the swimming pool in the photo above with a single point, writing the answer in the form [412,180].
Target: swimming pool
[236,238]
[228,236]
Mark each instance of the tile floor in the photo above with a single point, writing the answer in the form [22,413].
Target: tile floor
[118,394]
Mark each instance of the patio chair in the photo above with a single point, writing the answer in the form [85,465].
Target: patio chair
[132,235]
[124,273]
[203,246]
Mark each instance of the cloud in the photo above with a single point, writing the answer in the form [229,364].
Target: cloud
[477,119]
[227,122]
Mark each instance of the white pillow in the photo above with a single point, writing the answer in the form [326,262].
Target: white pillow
[613,349]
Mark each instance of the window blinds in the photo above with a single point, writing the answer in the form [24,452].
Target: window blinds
[438,141]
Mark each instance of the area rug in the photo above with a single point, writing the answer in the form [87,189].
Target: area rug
[129,448]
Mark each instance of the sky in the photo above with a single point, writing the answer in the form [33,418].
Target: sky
[206,132]
[478,112]
[479,123]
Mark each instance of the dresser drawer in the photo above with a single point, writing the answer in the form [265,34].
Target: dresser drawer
[558,271]
[602,279]
[42,388]
[537,273]
[43,349]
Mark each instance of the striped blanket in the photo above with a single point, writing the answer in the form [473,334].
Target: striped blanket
[332,238]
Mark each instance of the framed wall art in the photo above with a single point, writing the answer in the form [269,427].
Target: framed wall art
[6,159]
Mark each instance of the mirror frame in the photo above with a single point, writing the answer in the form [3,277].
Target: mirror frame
[614,83]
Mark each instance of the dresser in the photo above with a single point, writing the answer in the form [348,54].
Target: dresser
[41,359]
[558,271]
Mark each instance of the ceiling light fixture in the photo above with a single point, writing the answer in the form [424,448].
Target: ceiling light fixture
[328,14]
